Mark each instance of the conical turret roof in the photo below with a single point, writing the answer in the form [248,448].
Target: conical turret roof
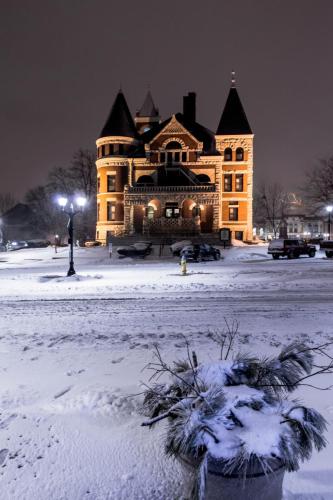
[120,121]
[233,120]
[148,108]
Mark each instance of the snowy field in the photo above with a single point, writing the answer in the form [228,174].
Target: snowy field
[72,351]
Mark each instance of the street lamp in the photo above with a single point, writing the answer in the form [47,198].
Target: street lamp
[329,209]
[71,212]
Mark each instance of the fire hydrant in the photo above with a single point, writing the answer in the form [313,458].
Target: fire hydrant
[183,265]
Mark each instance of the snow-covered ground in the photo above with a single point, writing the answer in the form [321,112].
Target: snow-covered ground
[72,351]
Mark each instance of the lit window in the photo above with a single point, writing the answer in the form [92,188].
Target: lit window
[111,210]
[172,211]
[228,182]
[111,183]
[233,213]
[239,182]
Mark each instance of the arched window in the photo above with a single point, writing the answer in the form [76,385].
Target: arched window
[203,178]
[196,211]
[173,145]
[150,212]
[228,154]
[145,179]
[239,154]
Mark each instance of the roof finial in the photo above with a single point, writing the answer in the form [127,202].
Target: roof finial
[233,79]
[120,87]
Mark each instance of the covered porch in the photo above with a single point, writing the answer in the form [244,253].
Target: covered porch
[171,211]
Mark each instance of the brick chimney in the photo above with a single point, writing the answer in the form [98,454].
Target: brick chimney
[189,110]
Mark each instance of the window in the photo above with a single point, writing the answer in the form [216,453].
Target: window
[162,157]
[98,184]
[196,211]
[228,154]
[177,157]
[239,235]
[169,157]
[111,210]
[228,182]
[111,149]
[121,149]
[239,154]
[239,182]
[103,150]
[172,211]
[173,145]
[98,211]
[184,156]
[111,183]
[233,213]
[150,212]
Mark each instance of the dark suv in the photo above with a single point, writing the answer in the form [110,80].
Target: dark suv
[290,248]
[200,252]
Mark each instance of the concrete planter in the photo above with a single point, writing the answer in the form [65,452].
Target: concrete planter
[252,485]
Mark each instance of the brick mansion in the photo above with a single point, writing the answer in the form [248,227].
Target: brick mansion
[174,177]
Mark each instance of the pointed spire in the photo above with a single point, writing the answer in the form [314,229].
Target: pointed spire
[120,121]
[233,120]
[148,108]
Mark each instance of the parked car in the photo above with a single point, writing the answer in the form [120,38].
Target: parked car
[92,243]
[199,252]
[327,246]
[140,249]
[16,245]
[38,243]
[290,248]
[177,247]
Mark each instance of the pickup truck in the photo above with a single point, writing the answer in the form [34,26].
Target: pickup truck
[327,246]
[290,248]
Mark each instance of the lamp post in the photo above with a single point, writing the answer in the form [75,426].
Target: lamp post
[329,209]
[71,212]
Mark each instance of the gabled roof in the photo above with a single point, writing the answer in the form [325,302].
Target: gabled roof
[148,108]
[202,134]
[120,121]
[233,119]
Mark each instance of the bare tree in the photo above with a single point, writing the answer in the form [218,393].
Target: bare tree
[78,178]
[7,201]
[318,186]
[272,203]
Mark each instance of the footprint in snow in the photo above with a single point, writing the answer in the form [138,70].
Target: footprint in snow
[118,360]
[3,455]
[62,392]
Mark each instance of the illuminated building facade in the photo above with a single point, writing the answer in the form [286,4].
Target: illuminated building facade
[174,177]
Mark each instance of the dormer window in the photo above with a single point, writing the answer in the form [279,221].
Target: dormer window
[239,154]
[228,154]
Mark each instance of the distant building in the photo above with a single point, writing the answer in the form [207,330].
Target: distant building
[299,221]
[18,223]
[174,177]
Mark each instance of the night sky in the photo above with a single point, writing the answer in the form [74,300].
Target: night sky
[62,62]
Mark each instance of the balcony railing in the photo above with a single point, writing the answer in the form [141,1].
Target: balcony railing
[173,189]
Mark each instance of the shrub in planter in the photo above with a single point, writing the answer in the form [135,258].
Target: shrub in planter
[233,419]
